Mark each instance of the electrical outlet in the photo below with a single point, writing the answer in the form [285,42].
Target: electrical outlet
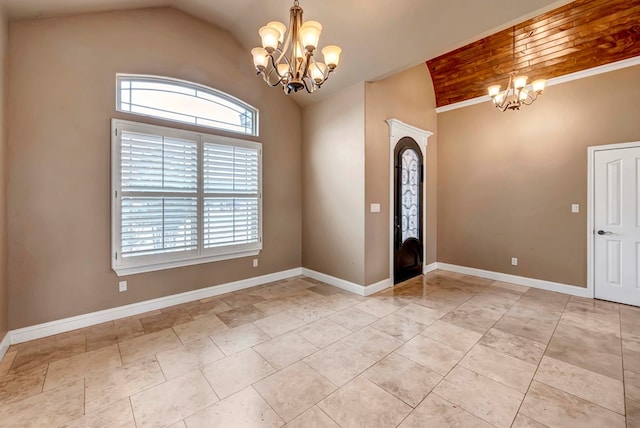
[122,286]
[514,261]
[255,262]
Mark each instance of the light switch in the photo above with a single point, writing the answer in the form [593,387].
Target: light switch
[375,208]
[575,208]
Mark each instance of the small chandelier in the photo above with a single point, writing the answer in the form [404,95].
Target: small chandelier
[289,61]
[517,94]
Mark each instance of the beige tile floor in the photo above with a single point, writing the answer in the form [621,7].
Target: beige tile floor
[443,350]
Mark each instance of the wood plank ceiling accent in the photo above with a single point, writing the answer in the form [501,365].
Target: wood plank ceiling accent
[578,36]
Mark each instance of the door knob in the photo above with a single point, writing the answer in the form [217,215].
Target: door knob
[602,232]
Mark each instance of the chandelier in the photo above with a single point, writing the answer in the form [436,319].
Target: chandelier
[287,58]
[517,93]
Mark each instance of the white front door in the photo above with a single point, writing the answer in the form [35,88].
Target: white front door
[617,225]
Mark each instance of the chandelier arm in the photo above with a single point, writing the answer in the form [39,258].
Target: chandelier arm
[287,40]
[274,69]
[325,73]
[325,77]
[529,100]
[312,60]
[307,63]
[274,63]
[511,90]
[270,81]
[312,84]
[503,106]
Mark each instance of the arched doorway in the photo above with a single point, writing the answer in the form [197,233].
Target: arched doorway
[408,242]
[407,225]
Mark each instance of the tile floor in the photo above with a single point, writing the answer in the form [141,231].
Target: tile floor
[443,350]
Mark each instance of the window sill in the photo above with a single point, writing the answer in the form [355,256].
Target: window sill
[132,270]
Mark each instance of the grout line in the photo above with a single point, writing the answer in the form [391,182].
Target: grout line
[267,401]
[580,398]
[540,362]
[624,387]
[469,350]
[471,296]
[84,395]
[325,413]
[457,363]
[211,386]
[44,380]
[133,414]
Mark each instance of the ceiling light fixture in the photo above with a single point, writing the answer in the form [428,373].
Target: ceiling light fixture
[517,93]
[287,58]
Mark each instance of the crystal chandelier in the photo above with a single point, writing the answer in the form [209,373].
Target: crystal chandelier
[286,58]
[517,93]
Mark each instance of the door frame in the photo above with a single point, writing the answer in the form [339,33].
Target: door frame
[397,131]
[591,261]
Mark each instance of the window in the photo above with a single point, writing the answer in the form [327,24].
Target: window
[182,197]
[184,102]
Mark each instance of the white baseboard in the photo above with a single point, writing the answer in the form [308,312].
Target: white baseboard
[378,286]
[430,267]
[4,344]
[358,289]
[336,282]
[67,324]
[573,290]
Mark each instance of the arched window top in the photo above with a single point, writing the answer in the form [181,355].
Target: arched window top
[185,102]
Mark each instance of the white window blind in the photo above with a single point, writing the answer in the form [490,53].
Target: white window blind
[231,200]
[182,197]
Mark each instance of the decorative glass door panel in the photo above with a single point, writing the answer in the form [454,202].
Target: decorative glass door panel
[408,211]
[409,189]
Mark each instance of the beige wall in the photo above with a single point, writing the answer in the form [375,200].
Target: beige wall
[333,183]
[61,99]
[409,97]
[506,181]
[4,289]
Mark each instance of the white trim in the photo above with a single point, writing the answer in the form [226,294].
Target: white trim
[67,324]
[86,320]
[378,286]
[590,228]
[124,271]
[520,280]
[591,153]
[4,344]
[430,267]
[397,131]
[188,85]
[618,65]
[352,287]
[336,282]
[462,104]
[149,263]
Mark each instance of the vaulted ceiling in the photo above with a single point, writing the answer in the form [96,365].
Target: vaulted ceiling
[378,37]
[575,37]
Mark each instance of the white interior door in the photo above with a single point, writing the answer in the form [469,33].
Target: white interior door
[617,225]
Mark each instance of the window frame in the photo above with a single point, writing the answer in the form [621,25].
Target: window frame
[148,263]
[189,85]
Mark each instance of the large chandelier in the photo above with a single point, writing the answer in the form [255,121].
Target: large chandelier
[286,58]
[517,94]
